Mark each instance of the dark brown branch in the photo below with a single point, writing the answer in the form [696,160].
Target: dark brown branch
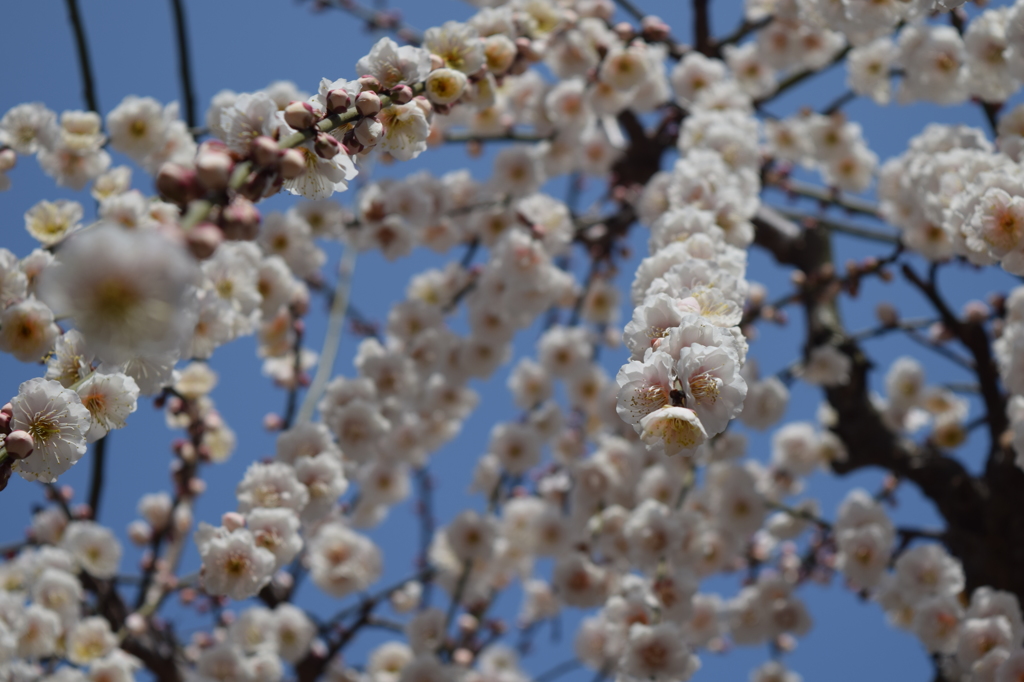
[975,339]
[99,455]
[84,62]
[184,62]
[702,38]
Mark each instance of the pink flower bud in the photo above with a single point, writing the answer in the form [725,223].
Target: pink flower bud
[213,169]
[436,61]
[203,239]
[401,94]
[273,422]
[19,444]
[140,533]
[196,486]
[7,160]
[136,624]
[240,220]
[887,314]
[232,521]
[293,164]
[526,50]
[654,29]
[368,84]
[5,422]
[265,151]
[368,103]
[338,101]
[177,184]
[326,146]
[976,312]
[300,115]
[624,31]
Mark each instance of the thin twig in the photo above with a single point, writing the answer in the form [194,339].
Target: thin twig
[332,339]
[293,391]
[84,63]
[184,62]
[840,227]
[99,455]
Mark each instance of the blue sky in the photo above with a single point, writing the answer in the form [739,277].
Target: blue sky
[245,46]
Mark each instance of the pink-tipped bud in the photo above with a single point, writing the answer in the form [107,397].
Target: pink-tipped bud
[654,29]
[293,164]
[338,101]
[232,521]
[976,312]
[273,422]
[326,146]
[19,444]
[368,103]
[369,84]
[140,533]
[203,239]
[5,422]
[213,169]
[240,220]
[624,31]
[300,115]
[527,50]
[7,160]
[351,144]
[436,62]
[401,94]
[369,131]
[887,314]
[265,151]
[135,624]
[177,184]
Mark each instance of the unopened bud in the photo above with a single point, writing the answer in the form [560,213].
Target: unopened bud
[19,444]
[292,164]
[5,422]
[196,486]
[326,146]
[368,103]
[240,220]
[368,84]
[273,422]
[135,624]
[624,31]
[7,160]
[232,521]
[976,312]
[265,151]
[177,184]
[462,656]
[369,131]
[213,169]
[401,94]
[300,115]
[338,101]
[654,29]
[436,61]
[467,622]
[203,239]
[140,533]
[887,314]
[526,50]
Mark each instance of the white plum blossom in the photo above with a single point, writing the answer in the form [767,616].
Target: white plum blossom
[57,421]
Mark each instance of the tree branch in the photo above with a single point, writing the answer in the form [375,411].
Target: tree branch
[99,455]
[184,65]
[84,62]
